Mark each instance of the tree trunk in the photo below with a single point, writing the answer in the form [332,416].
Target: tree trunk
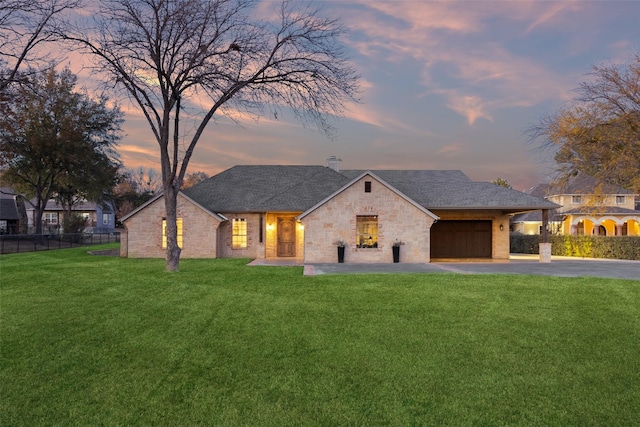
[37,220]
[173,251]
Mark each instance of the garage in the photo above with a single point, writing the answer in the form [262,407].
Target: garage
[461,239]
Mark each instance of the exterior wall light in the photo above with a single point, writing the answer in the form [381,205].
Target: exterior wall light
[501,227]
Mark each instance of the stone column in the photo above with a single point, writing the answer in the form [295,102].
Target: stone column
[545,252]
[545,246]
[619,228]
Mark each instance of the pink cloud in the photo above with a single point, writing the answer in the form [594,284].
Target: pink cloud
[451,150]
[469,106]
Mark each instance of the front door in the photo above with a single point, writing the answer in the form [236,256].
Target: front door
[286,237]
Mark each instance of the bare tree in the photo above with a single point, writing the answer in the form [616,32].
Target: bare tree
[166,53]
[24,25]
[145,179]
[193,178]
[598,132]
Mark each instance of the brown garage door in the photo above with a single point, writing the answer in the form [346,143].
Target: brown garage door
[461,239]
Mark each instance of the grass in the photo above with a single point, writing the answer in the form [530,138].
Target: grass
[90,340]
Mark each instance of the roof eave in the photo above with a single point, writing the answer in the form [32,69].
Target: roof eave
[382,181]
[215,215]
[515,209]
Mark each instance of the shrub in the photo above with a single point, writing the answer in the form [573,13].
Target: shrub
[618,247]
[74,223]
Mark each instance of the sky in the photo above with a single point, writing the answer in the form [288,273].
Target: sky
[445,85]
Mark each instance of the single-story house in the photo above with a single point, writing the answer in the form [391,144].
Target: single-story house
[301,212]
[587,207]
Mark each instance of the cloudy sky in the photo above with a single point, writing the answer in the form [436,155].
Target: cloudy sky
[445,85]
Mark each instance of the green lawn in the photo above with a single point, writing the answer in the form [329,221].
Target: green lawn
[91,340]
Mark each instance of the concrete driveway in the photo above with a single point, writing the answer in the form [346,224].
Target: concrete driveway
[518,264]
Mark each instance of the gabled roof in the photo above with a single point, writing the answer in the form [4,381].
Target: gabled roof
[82,206]
[7,193]
[8,209]
[452,189]
[159,195]
[277,188]
[266,188]
[374,176]
[536,216]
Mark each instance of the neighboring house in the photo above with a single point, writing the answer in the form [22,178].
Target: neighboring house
[100,216]
[588,207]
[13,217]
[299,212]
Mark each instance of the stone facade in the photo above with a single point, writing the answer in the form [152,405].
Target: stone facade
[271,249]
[255,247]
[312,234]
[262,236]
[398,219]
[199,231]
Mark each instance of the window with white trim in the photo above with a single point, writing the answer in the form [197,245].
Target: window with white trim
[576,200]
[621,200]
[51,217]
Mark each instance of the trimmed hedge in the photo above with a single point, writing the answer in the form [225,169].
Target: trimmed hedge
[619,247]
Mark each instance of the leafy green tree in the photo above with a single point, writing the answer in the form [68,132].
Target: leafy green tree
[183,62]
[598,132]
[56,141]
[74,223]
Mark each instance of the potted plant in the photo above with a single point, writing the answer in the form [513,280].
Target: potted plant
[396,250]
[341,244]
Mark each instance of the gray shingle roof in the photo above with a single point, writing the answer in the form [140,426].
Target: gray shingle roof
[8,209]
[266,188]
[298,188]
[452,189]
[537,216]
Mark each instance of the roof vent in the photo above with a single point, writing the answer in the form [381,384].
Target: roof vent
[334,163]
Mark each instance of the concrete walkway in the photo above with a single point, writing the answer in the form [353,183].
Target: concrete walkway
[517,264]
